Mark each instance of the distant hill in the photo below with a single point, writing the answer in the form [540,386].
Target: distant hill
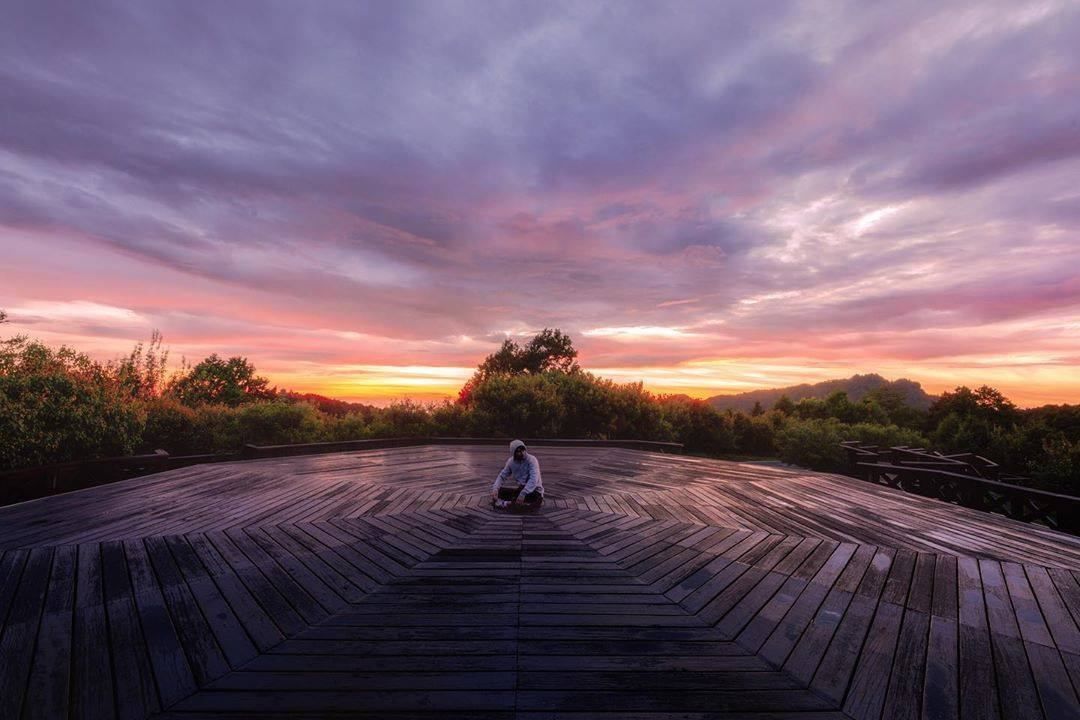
[855,386]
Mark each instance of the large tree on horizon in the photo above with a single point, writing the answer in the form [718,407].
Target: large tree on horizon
[549,350]
[230,382]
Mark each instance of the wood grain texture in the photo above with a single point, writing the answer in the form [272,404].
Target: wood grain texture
[379,584]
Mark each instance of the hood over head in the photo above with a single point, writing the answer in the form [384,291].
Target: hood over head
[515,445]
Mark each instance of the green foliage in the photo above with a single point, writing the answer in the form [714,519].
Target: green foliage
[815,443]
[225,429]
[1057,467]
[59,405]
[279,423]
[984,404]
[518,406]
[587,406]
[404,418]
[170,426]
[755,434]
[812,443]
[353,426]
[635,413]
[141,375]
[548,351]
[784,405]
[229,382]
[891,408]
[697,425]
[330,406]
[450,419]
[217,429]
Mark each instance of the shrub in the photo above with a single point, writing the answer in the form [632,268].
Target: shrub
[697,425]
[59,405]
[755,435]
[1057,468]
[348,427]
[404,418]
[635,413]
[517,405]
[886,435]
[279,423]
[170,426]
[449,419]
[814,444]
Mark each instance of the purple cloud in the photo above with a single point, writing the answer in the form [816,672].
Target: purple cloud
[430,170]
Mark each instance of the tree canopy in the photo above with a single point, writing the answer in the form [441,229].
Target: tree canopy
[549,350]
[229,382]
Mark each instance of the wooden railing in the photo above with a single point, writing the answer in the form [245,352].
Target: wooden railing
[30,483]
[964,479]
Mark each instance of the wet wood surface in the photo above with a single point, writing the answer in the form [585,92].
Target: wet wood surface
[380,584]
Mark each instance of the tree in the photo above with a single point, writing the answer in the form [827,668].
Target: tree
[784,405]
[985,403]
[978,421]
[758,410]
[142,373]
[3,317]
[893,403]
[549,350]
[215,381]
[59,405]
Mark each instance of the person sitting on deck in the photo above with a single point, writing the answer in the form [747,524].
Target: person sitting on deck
[528,493]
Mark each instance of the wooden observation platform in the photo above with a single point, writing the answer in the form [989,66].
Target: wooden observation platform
[379,584]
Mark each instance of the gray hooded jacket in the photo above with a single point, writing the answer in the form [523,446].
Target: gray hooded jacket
[526,472]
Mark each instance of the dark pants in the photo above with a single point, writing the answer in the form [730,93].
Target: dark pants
[532,500]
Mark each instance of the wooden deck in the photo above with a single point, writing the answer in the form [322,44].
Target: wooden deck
[378,584]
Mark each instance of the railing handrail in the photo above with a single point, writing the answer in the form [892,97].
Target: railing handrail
[994,484]
[934,475]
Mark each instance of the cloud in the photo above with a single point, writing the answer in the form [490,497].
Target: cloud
[759,176]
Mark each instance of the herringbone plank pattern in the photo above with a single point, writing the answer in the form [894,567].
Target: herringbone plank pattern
[379,584]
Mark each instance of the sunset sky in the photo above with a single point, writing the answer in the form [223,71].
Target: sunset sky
[365,199]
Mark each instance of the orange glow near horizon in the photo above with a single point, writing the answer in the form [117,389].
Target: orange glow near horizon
[1031,391]
[1028,378]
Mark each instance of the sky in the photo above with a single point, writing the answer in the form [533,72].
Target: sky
[366,198]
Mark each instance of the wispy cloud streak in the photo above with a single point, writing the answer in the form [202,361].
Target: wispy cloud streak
[801,190]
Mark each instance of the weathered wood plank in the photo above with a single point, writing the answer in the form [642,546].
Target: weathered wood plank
[257,623]
[172,671]
[866,696]
[940,692]
[50,674]
[1016,686]
[978,682]
[351,582]
[21,629]
[227,629]
[136,692]
[788,631]
[91,667]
